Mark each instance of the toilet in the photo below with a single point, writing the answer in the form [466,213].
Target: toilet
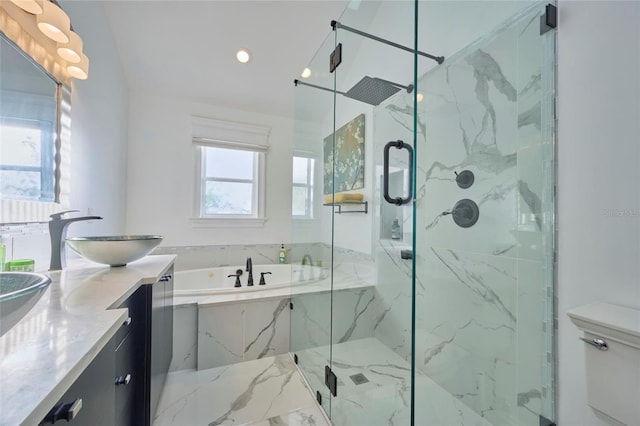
[612,359]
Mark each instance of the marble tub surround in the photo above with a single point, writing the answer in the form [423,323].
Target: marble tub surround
[267,391]
[48,349]
[228,324]
[229,333]
[237,332]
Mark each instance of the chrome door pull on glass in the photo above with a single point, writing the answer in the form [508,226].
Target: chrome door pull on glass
[597,342]
[398,201]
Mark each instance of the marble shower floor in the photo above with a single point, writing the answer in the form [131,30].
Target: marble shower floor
[265,392]
[385,398]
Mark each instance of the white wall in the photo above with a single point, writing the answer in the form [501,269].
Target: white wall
[161,173]
[98,127]
[598,158]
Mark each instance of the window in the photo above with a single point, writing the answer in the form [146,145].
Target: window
[302,196]
[27,159]
[230,182]
[230,173]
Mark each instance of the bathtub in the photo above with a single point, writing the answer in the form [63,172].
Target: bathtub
[214,281]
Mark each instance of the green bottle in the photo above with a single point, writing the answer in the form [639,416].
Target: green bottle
[3,252]
[282,255]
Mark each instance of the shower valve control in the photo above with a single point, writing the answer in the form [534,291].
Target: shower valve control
[465,213]
[465,179]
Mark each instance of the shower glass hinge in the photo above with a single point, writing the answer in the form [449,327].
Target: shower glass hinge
[330,380]
[549,19]
[291,305]
[335,58]
[545,422]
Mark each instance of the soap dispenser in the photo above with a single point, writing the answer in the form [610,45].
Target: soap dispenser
[282,255]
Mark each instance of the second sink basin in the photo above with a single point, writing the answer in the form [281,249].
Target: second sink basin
[114,250]
[19,292]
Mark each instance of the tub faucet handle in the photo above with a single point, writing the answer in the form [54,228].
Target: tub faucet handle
[237,284]
[262,274]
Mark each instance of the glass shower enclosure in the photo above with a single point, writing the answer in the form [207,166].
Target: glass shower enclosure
[423,215]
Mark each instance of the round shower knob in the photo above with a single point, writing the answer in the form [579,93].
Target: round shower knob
[465,179]
[465,213]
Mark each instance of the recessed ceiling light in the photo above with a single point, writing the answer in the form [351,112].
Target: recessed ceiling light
[419,97]
[243,56]
[306,73]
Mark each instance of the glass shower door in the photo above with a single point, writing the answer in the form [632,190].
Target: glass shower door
[311,251]
[371,292]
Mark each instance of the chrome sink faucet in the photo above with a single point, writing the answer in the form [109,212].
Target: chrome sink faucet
[58,233]
[250,271]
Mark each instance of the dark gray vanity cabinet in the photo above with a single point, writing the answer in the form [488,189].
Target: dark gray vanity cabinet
[161,344]
[123,383]
[91,398]
[130,375]
[145,352]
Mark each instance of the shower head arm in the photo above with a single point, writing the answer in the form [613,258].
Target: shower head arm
[297,82]
[337,25]
[408,88]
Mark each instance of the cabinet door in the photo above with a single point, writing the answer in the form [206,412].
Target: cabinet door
[156,365]
[161,342]
[95,389]
[168,318]
[130,360]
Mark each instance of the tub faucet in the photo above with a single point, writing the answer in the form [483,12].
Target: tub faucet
[306,260]
[250,271]
[58,233]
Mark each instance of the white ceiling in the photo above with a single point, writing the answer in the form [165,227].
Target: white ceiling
[187,48]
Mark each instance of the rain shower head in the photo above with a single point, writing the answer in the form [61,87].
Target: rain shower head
[370,90]
[373,90]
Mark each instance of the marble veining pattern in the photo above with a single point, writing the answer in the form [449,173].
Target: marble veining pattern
[479,290]
[48,349]
[385,398]
[268,391]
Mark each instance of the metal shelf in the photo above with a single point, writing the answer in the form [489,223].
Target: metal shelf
[350,203]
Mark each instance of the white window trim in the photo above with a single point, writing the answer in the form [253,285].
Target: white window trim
[207,132]
[312,186]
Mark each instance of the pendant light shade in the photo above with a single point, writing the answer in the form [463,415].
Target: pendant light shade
[31,6]
[71,51]
[54,23]
[81,69]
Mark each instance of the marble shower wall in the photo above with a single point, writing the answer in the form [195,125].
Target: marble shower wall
[483,325]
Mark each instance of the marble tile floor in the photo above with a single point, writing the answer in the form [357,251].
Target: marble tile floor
[264,392]
[385,398]
[271,392]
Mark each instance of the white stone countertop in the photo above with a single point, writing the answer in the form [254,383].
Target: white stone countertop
[51,346]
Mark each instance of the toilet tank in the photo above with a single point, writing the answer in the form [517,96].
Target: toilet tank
[612,359]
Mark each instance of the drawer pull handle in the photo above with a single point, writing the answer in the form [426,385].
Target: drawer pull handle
[597,342]
[166,278]
[123,380]
[66,412]
[127,322]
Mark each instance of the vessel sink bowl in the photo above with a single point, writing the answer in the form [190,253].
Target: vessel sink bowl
[19,292]
[114,250]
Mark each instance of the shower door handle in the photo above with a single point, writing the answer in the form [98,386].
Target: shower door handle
[398,201]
